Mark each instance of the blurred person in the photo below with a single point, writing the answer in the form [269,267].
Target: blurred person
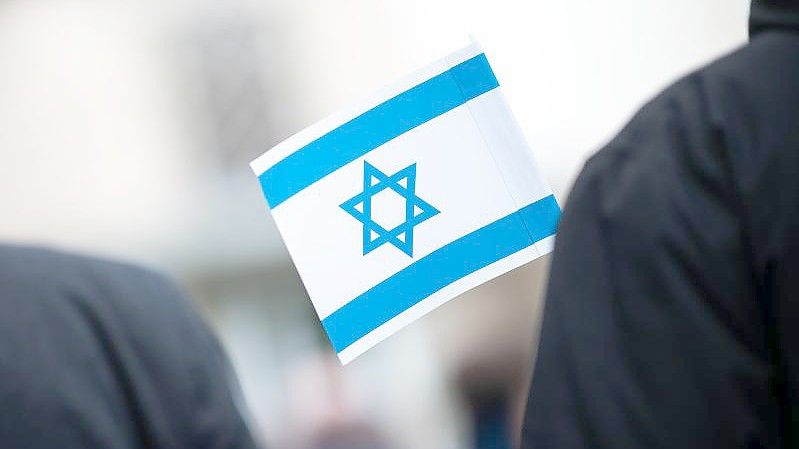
[490,385]
[672,313]
[97,354]
[325,415]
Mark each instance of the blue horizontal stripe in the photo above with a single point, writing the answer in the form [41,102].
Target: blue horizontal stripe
[440,268]
[375,127]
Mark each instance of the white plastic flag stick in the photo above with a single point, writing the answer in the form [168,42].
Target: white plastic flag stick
[402,202]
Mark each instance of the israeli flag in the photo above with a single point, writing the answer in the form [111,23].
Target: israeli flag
[404,201]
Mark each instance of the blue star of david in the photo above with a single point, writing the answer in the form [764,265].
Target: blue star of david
[416,209]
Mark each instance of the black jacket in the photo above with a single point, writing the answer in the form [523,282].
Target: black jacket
[672,312]
[100,355]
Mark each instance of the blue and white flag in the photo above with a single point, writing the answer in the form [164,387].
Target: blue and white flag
[399,204]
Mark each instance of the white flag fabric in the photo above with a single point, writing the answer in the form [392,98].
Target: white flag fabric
[399,204]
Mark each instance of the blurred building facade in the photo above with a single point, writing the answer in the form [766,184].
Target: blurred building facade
[126,128]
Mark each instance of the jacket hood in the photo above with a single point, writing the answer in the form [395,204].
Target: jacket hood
[773,15]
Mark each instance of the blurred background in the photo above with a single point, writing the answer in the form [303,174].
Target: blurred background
[126,128]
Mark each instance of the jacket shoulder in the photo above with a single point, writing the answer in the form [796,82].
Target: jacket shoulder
[37,273]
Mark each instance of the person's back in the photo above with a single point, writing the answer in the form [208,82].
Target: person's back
[95,354]
[672,315]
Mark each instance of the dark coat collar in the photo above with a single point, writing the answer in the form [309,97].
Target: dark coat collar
[773,15]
